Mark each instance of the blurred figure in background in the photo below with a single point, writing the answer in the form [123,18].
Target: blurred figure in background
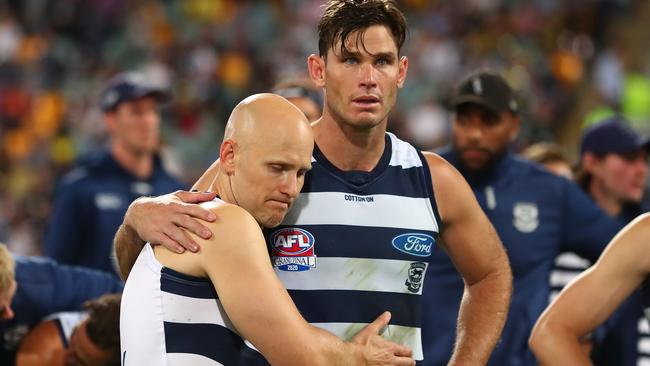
[92,199]
[549,155]
[91,337]
[613,171]
[32,288]
[303,94]
[536,214]
[614,167]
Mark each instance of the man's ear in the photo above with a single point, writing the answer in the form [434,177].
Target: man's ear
[403,65]
[316,67]
[589,161]
[516,124]
[109,121]
[228,155]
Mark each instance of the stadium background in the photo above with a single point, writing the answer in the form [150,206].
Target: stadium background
[572,61]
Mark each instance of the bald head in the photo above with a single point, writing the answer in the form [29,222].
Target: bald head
[261,116]
[265,154]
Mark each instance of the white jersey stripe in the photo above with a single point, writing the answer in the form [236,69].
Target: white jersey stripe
[405,212]
[404,155]
[183,309]
[359,274]
[407,336]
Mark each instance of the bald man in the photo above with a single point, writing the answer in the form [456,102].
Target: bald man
[225,303]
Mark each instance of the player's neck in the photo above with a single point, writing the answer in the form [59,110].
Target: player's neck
[610,204]
[349,148]
[223,187]
[138,164]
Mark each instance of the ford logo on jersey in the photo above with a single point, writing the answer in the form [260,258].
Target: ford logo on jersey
[292,249]
[414,244]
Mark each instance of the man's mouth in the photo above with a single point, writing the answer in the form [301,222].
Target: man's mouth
[366,101]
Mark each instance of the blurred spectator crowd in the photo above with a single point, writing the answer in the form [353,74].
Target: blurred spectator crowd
[572,62]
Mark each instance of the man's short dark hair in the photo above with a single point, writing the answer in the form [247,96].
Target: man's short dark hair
[103,325]
[343,17]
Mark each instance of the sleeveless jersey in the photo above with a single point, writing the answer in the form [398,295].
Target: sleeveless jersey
[66,322]
[357,243]
[169,318]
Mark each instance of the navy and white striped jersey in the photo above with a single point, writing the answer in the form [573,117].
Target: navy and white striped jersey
[169,318]
[66,322]
[358,243]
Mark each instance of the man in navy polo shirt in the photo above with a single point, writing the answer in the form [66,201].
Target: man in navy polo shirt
[92,199]
[536,214]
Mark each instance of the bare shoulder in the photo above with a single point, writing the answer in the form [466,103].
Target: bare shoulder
[626,247]
[453,195]
[43,339]
[441,171]
[234,228]
[231,217]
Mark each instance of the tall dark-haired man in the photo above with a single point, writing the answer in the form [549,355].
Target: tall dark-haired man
[374,207]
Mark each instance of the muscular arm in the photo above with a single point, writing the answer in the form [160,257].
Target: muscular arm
[159,220]
[476,251]
[592,297]
[264,313]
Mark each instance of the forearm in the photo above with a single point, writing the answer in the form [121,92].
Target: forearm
[127,248]
[330,350]
[481,318]
[552,346]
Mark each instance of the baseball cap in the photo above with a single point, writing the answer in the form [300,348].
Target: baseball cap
[612,135]
[488,89]
[128,86]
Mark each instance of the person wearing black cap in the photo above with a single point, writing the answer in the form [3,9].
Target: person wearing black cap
[614,167]
[536,214]
[91,199]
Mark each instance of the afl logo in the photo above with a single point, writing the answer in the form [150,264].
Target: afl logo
[414,243]
[292,241]
[293,249]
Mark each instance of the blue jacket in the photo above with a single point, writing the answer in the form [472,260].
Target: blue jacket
[45,287]
[89,207]
[537,216]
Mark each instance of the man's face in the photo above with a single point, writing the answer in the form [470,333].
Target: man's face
[623,176]
[82,351]
[361,84]
[6,297]
[135,125]
[270,174]
[481,136]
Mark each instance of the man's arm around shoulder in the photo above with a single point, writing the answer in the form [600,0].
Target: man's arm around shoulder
[160,220]
[475,249]
[237,258]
